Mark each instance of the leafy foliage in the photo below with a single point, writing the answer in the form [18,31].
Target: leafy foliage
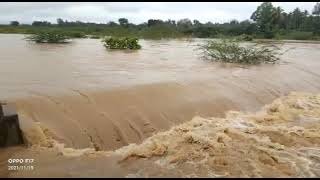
[48,37]
[75,34]
[231,51]
[316,9]
[245,37]
[121,43]
[123,22]
[94,37]
[265,16]
[14,23]
[41,23]
[298,35]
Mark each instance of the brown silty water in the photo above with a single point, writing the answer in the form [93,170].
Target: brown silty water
[83,96]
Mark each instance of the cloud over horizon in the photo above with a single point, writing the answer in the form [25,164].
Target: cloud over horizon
[136,12]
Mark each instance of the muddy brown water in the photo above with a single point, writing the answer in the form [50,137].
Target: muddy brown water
[87,96]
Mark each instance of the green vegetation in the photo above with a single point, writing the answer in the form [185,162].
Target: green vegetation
[268,21]
[94,37]
[121,43]
[298,35]
[14,23]
[48,37]
[74,34]
[244,37]
[231,51]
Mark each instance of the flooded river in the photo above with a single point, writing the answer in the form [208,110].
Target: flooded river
[80,95]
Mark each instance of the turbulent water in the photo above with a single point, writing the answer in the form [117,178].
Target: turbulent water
[79,98]
[281,140]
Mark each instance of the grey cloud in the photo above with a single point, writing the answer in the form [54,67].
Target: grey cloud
[136,12]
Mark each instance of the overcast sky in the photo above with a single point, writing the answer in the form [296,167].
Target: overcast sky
[136,12]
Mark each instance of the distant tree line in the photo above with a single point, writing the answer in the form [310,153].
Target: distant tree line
[266,21]
[269,19]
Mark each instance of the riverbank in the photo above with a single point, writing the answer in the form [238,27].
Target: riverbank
[286,41]
[157,32]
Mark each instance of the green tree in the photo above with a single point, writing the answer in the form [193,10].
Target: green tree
[41,23]
[60,22]
[316,9]
[112,23]
[296,18]
[316,19]
[265,17]
[170,22]
[196,23]
[278,17]
[152,22]
[185,26]
[123,22]
[248,27]
[14,23]
[234,21]
[185,23]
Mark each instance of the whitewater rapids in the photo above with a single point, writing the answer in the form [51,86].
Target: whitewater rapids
[280,140]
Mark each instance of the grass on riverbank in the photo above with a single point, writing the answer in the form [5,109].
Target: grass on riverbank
[153,32]
[95,32]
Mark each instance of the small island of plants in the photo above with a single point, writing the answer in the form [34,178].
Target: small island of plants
[48,37]
[121,43]
[230,51]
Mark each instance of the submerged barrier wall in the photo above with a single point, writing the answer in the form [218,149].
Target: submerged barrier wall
[10,133]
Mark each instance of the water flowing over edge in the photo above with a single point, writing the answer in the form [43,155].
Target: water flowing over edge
[280,140]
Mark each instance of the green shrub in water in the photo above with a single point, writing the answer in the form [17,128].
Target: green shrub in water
[121,43]
[48,37]
[76,34]
[231,51]
[94,37]
[245,37]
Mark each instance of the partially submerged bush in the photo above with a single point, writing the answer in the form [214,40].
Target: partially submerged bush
[75,34]
[245,37]
[94,36]
[121,43]
[231,51]
[48,37]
